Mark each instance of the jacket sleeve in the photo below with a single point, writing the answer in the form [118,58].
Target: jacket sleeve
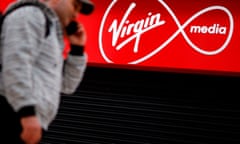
[74,69]
[21,34]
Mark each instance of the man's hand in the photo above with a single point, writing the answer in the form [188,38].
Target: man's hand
[32,130]
[79,37]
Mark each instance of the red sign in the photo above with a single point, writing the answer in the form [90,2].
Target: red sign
[200,36]
[192,36]
[4,4]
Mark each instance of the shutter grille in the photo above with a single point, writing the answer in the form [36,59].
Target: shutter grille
[118,106]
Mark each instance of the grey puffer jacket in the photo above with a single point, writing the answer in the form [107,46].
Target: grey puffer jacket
[33,70]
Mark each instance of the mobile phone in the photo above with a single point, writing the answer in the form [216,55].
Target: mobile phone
[72,28]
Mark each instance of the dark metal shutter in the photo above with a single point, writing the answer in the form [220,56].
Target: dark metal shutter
[117,106]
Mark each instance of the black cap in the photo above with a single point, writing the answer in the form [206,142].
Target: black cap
[87,7]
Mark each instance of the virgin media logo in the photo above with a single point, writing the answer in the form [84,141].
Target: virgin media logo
[133,32]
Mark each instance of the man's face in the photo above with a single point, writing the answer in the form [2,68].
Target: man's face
[68,10]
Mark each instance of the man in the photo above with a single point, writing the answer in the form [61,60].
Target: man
[33,70]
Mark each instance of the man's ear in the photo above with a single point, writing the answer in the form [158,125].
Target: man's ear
[53,2]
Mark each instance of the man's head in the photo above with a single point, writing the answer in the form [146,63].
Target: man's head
[67,10]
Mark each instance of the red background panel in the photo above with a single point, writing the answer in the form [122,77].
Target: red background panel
[190,36]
